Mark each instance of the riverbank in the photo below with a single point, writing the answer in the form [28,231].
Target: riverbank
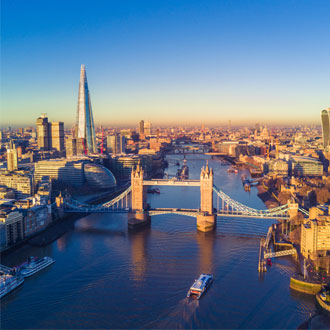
[60,226]
[266,196]
[298,283]
[323,304]
[66,223]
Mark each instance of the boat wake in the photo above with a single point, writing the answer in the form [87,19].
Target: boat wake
[181,316]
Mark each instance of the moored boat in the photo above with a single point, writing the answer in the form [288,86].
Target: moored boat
[34,265]
[200,285]
[8,283]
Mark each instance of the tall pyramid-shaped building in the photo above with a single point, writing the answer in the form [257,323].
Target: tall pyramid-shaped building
[85,131]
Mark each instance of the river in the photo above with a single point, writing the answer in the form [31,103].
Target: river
[108,277]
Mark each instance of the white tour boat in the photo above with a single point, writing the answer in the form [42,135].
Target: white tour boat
[34,265]
[8,283]
[200,285]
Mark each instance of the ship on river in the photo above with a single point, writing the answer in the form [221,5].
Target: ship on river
[183,172]
[8,283]
[246,183]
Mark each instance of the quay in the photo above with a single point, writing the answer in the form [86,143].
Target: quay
[299,283]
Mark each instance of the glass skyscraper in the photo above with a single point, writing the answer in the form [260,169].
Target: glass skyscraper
[85,124]
[325,127]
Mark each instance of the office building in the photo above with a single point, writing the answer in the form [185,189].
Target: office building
[315,234]
[116,144]
[36,218]
[57,135]
[325,120]
[43,137]
[71,147]
[141,127]
[12,163]
[66,171]
[147,128]
[11,226]
[305,166]
[85,124]
[20,181]
[50,135]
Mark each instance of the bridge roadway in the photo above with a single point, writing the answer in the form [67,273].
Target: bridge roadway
[171,182]
[157,211]
[235,214]
[187,212]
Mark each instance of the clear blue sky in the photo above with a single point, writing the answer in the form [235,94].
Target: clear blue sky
[166,61]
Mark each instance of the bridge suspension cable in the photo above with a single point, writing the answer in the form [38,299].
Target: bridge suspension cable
[115,204]
[239,207]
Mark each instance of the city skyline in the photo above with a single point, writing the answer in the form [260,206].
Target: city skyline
[168,62]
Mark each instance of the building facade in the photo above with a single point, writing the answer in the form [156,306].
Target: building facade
[11,227]
[305,166]
[20,181]
[66,171]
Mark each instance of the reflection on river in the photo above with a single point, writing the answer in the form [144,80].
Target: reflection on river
[108,277]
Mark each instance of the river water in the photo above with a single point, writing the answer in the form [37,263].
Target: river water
[108,277]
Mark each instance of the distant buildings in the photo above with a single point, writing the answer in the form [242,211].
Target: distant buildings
[325,120]
[85,131]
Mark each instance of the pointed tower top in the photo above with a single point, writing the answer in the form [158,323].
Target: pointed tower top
[207,166]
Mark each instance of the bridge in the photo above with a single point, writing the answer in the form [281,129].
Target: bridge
[133,201]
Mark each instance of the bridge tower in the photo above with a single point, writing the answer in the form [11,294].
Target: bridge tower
[138,217]
[293,208]
[206,217]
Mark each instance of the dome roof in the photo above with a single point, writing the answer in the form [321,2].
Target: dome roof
[99,176]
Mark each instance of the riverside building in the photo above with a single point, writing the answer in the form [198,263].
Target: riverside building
[66,171]
[315,234]
[11,226]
